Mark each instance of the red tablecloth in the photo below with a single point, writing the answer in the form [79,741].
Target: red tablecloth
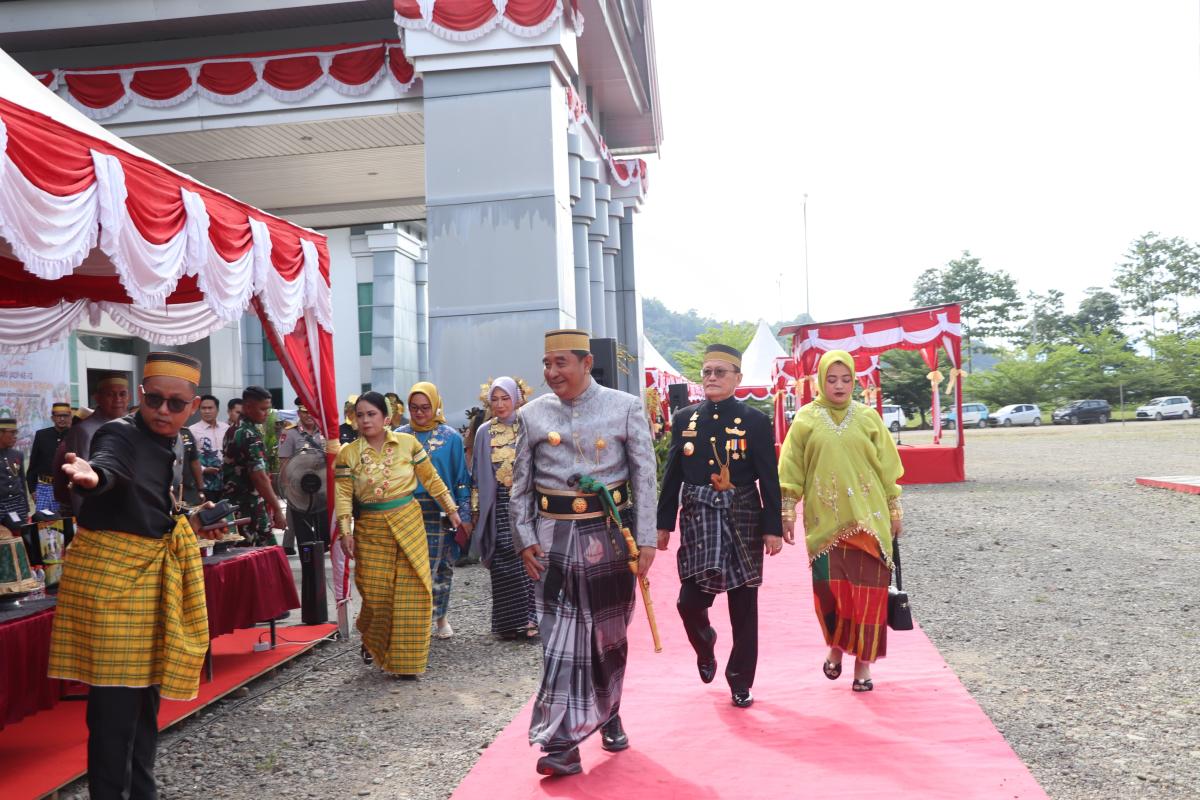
[244,587]
[24,657]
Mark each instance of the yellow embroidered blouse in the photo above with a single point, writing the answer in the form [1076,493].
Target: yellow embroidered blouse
[377,476]
[844,465]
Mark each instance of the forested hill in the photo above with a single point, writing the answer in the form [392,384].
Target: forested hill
[670,331]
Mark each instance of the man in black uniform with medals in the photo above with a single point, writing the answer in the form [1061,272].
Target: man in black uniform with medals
[722,458]
[12,473]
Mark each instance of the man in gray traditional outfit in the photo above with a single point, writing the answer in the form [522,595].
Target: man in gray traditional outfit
[112,402]
[585,588]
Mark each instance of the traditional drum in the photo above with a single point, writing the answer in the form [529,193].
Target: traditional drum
[16,576]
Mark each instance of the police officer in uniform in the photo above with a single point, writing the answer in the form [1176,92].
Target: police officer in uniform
[12,472]
[722,468]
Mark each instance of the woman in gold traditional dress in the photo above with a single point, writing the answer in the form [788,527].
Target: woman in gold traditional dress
[493,453]
[378,473]
[840,459]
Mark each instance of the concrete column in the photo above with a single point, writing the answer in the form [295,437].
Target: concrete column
[501,268]
[583,212]
[394,363]
[612,252]
[597,235]
[251,336]
[630,302]
[343,281]
[421,275]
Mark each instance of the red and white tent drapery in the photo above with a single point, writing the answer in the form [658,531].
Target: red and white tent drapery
[89,223]
[467,20]
[286,75]
[927,330]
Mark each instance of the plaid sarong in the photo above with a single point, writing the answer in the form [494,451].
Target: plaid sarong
[513,603]
[850,591]
[440,538]
[43,498]
[392,575]
[720,543]
[132,612]
[584,603]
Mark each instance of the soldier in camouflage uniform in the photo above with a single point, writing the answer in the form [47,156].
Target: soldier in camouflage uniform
[246,476]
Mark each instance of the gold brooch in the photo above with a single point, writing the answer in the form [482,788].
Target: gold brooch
[579,505]
[618,497]
[689,448]
[601,444]
[545,502]
[554,438]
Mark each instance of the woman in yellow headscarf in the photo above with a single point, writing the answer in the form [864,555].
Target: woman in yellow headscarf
[449,457]
[839,458]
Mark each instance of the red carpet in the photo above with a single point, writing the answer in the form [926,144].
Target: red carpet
[47,750]
[918,735]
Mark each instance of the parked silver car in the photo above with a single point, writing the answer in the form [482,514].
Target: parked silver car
[1019,414]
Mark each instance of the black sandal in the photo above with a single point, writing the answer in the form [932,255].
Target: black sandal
[832,671]
[865,685]
[366,655]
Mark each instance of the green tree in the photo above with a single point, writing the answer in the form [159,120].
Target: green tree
[904,381]
[669,330]
[734,334]
[1156,275]
[1178,366]
[1046,322]
[1099,364]
[1099,311]
[989,301]
[1024,375]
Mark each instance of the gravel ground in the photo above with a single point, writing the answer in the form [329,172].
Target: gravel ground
[1061,593]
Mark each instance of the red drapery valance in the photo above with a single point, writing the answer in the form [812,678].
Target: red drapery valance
[286,75]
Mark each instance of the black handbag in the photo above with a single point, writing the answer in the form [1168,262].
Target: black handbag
[899,614]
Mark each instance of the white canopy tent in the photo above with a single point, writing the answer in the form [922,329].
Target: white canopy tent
[758,364]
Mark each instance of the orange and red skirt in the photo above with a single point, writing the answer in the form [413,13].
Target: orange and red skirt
[850,591]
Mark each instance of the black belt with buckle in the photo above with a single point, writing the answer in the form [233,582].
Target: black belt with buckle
[578,505]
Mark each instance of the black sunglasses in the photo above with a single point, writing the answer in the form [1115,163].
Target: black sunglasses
[174,404]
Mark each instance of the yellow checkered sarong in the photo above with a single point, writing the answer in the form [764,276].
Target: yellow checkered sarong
[132,612]
[393,578]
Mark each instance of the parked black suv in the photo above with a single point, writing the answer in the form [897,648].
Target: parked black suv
[1078,411]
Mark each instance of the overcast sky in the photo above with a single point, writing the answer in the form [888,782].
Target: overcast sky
[1042,136]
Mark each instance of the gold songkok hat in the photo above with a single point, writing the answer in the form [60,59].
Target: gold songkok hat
[8,424]
[723,352]
[112,380]
[568,339]
[60,408]
[172,365]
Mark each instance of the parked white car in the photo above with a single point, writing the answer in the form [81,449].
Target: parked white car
[893,417]
[975,415]
[1173,407]
[1019,414]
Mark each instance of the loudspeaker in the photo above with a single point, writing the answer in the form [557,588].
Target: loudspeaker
[313,607]
[604,362]
[677,396]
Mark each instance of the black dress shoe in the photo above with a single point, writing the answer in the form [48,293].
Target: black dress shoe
[742,698]
[706,663]
[612,736]
[565,763]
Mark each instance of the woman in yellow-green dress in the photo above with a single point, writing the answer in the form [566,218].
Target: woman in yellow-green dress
[839,458]
[375,478]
